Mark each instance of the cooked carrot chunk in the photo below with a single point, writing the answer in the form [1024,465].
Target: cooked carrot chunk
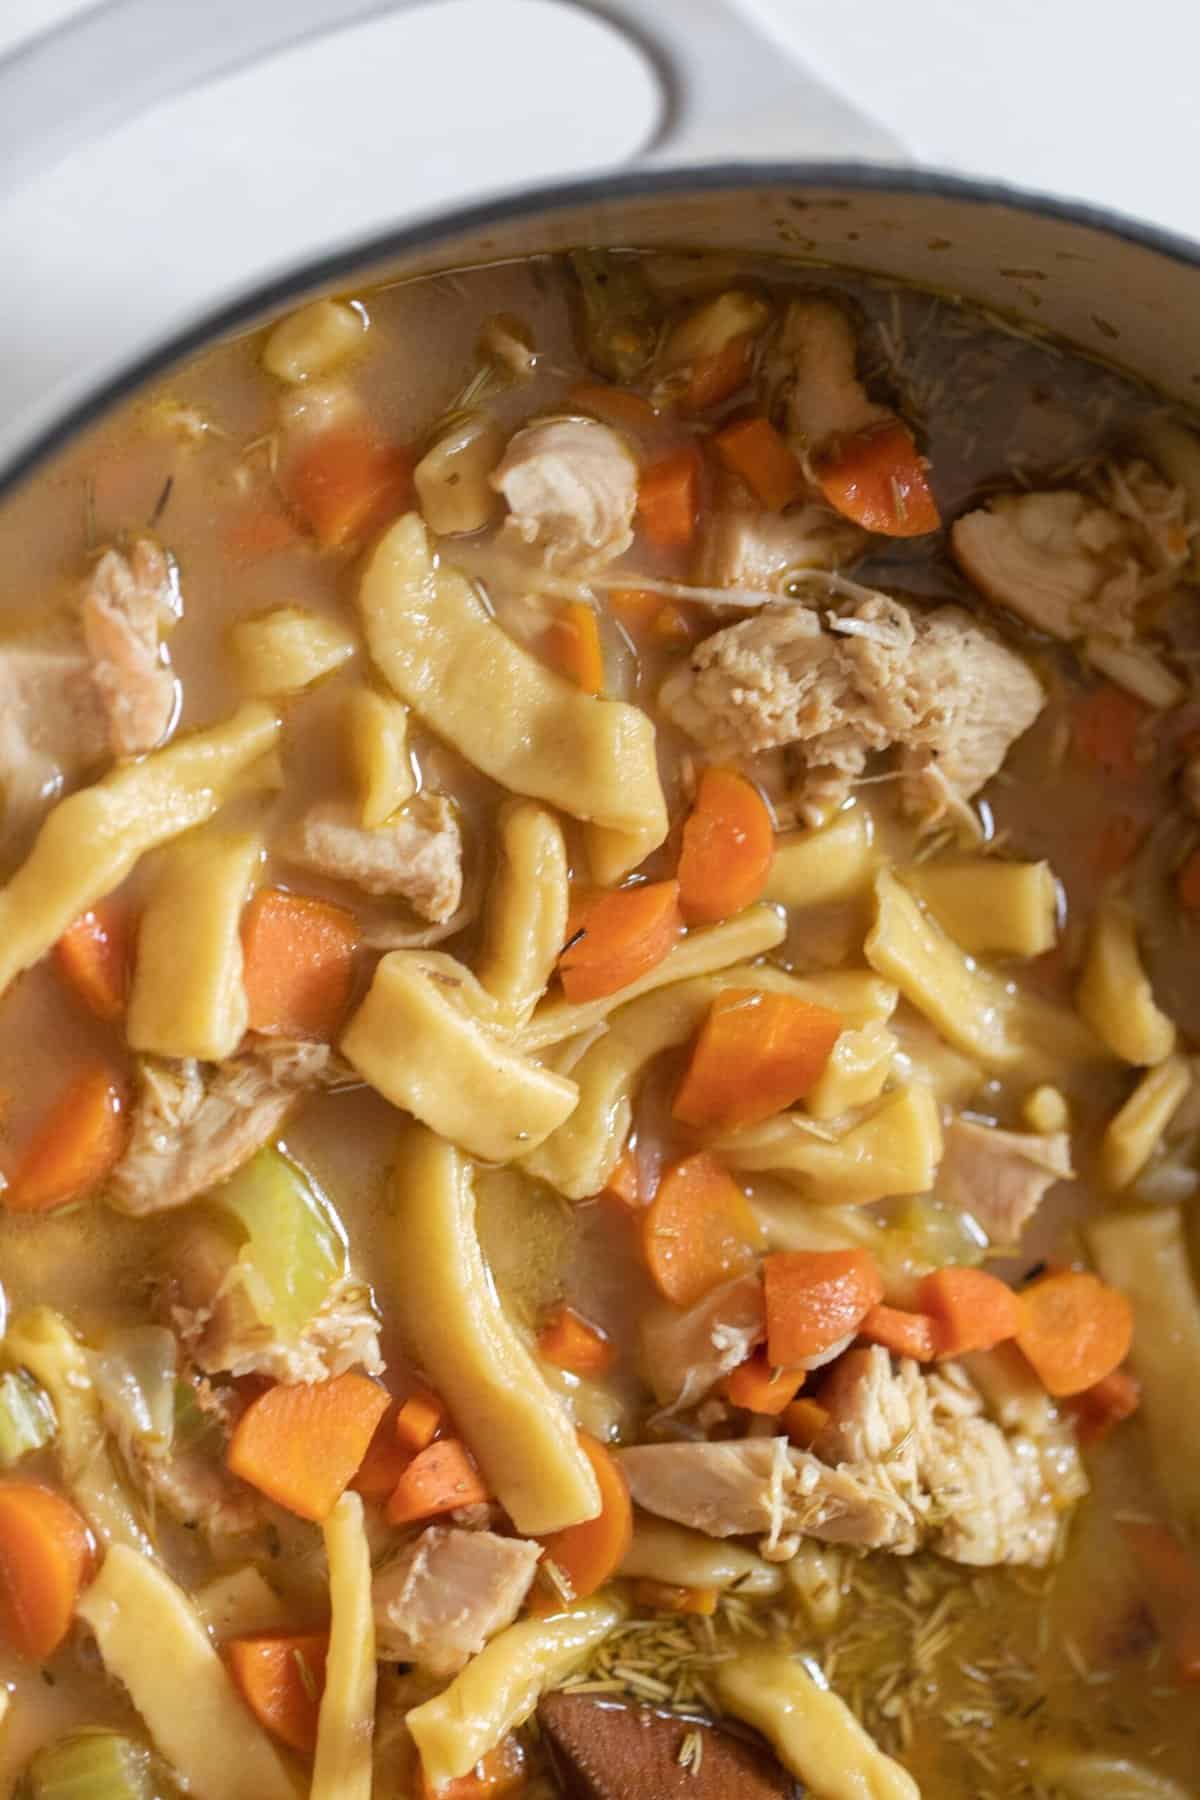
[74,1147]
[971,1309]
[573,1344]
[95,956]
[623,936]
[717,376]
[668,499]
[667,1597]
[1074,1329]
[419,1420]
[754,450]
[804,1421]
[699,1230]
[571,644]
[1104,729]
[282,1679]
[45,1556]
[760,1388]
[815,1297]
[912,1334]
[1109,1402]
[299,964]
[757,1052]
[728,844]
[502,1771]
[347,482]
[302,1446]
[877,478]
[586,1556]
[438,1480]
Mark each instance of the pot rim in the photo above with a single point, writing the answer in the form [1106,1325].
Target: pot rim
[273,294]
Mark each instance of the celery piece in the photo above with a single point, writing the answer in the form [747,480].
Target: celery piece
[96,1765]
[27,1420]
[295,1249]
[620,325]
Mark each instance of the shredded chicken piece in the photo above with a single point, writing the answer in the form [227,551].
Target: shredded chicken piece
[951,696]
[53,728]
[416,854]
[194,1124]
[127,605]
[201,1494]
[439,1601]
[685,1352]
[217,1322]
[571,488]
[760,550]
[825,398]
[1001,1177]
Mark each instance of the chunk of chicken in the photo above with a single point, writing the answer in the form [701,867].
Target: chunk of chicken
[439,1601]
[416,854]
[53,728]
[685,1352]
[760,550]
[193,1124]
[128,604]
[1001,1177]
[1075,564]
[762,1485]
[951,696]
[825,398]
[602,1751]
[571,488]
[201,1494]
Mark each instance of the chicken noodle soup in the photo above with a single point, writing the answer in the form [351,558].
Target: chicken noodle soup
[600,1137]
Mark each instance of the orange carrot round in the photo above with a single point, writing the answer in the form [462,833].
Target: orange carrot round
[877,478]
[699,1230]
[728,843]
[668,498]
[971,1309]
[572,1343]
[302,1446]
[757,1052]
[586,1556]
[1074,1329]
[282,1679]
[299,964]
[760,1388]
[74,1147]
[94,956]
[45,1557]
[815,1297]
[438,1480]
[903,1333]
[624,936]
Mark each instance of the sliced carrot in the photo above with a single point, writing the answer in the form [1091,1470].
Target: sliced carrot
[302,1446]
[1110,1402]
[971,1309]
[623,1185]
[623,937]
[94,956]
[699,1230]
[877,478]
[804,1421]
[502,1771]
[912,1334]
[281,1679]
[1187,882]
[571,1343]
[299,964]
[438,1480]
[760,1388]
[714,378]
[728,844]
[586,1556]
[815,1297]
[385,1461]
[668,499]
[346,482]
[641,611]
[259,531]
[665,1596]
[1074,1329]
[1104,729]
[616,405]
[1119,841]
[45,1558]
[757,1052]
[753,450]
[419,1420]
[1172,1580]
[73,1147]
[571,644]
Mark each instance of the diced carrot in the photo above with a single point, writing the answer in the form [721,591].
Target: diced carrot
[571,644]
[623,1185]
[73,1147]
[760,1388]
[753,450]
[299,964]
[45,1558]
[815,1297]
[699,1230]
[666,1597]
[971,1309]
[877,478]
[419,1420]
[641,611]
[586,1556]
[624,936]
[502,1771]
[302,1446]
[438,1480]
[728,844]
[1172,1579]
[1074,1329]
[1118,843]
[668,498]
[259,531]
[903,1333]
[571,1343]
[385,1461]
[616,405]
[94,956]
[1104,729]
[282,1679]
[1187,881]
[714,378]
[757,1052]
[1111,1401]
[804,1421]
[346,482]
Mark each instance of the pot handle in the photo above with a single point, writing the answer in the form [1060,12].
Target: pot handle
[728,89]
